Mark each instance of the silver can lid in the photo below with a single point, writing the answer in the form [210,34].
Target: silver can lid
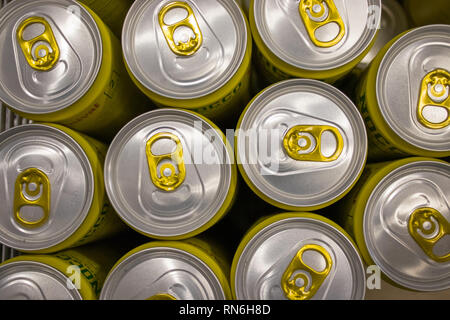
[413,87]
[29,280]
[50,54]
[316,35]
[301,143]
[184,49]
[162,273]
[169,172]
[299,257]
[406,225]
[393,22]
[48,187]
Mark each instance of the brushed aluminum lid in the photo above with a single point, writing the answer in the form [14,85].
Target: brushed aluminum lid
[159,69]
[269,253]
[148,207]
[78,40]
[399,82]
[284,32]
[273,171]
[29,280]
[70,185]
[162,271]
[420,184]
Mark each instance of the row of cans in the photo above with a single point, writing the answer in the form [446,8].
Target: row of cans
[300,144]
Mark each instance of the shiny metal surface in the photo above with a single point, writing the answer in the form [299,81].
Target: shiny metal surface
[393,22]
[161,71]
[71,185]
[388,210]
[28,280]
[272,171]
[267,255]
[78,38]
[162,270]
[283,31]
[150,209]
[399,81]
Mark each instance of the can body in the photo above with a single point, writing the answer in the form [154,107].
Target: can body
[280,256]
[84,85]
[180,270]
[209,74]
[71,274]
[422,13]
[394,97]
[301,130]
[51,211]
[301,43]
[387,230]
[181,178]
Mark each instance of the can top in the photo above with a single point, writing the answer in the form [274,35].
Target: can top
[50,54]
[413,86]
[291,251]
[31,280]
[184,49]
[162,272]
[169,172]
[48,187]
[393,22]
[316,34]
[406,225]
[301,130]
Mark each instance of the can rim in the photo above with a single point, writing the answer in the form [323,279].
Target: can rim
[120,205]
[397,46]
[371,246]
[111,282]
[285,218]
[261,29]
[85,163]
[9,268]
[329,92]
[139,74]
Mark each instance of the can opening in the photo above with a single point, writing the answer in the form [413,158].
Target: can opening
[32,31]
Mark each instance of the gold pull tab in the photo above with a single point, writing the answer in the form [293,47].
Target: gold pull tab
[162,296]
[318,13]
[168,178]
[427,226]
[434,92]
[311,280]
[298,140]
[41,52]
[181,48]
[32,188]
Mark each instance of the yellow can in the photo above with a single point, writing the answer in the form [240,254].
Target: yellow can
[428,12]
[52,74]
[76,274]
[54,196]
[169,270]
[406,106]
[192,55]
[318,39]
[398,214]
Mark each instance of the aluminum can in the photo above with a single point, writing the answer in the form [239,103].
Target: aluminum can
[428,12]
[169,270]
[404,96]
[170,174]
[192,54]
[399,215]
[301,144]
[60,63]
[319,39]
[76,274]
[52,191]
[112,12]
[297,256]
